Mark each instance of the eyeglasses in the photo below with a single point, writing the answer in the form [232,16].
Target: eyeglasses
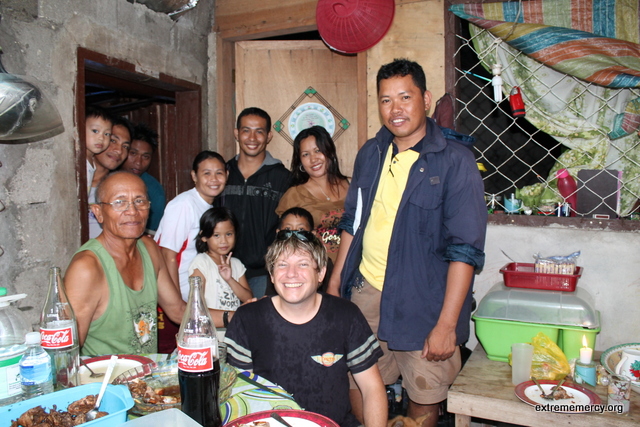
[123,205]
[302,235]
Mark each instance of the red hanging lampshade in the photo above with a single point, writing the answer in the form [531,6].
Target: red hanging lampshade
[352,26]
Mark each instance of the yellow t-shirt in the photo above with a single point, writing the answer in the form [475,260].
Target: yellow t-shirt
[377,234]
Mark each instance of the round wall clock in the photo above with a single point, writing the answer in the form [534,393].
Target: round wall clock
[311,114]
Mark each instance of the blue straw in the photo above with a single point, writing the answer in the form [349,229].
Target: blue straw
[473,74]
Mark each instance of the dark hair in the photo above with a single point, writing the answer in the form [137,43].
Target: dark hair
[98,112]
[327,148]
[254,111]
[400,68]
[142,132]
[124,122]
[204,155]
[297,211]
[208,222]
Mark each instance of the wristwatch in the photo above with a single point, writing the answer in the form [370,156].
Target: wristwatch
[225,319]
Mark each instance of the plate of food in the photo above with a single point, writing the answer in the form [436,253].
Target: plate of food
[295,417]
[154,387]
[99,366]
[611,357]
[567,394]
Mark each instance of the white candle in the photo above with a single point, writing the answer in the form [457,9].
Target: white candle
[586,353]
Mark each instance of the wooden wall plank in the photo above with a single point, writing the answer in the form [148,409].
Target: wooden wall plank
[273,74]
[247,19]
[417,33]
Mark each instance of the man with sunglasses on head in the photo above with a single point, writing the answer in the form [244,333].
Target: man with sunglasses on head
[115,281]
[306,341]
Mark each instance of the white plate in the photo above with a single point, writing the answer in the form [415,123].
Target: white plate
[296,418]
[99,365]
[529,393]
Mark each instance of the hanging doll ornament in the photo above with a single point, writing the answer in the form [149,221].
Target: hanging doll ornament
[516,102]
[496,82]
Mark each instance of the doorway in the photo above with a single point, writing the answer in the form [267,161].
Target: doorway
[170,106]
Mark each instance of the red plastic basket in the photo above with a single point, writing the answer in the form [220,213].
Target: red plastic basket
[523,275]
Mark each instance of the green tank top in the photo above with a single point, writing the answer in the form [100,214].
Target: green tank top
[129,324]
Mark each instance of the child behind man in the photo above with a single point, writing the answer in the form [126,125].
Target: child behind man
[98,124]
[225,284]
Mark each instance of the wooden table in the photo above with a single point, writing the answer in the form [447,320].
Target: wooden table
[483,389]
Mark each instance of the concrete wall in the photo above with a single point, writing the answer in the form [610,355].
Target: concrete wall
[611,263]
[39,227]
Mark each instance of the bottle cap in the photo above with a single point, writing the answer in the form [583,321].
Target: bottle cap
[32,338]
[562,173]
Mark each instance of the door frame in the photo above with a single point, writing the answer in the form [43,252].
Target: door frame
[188,123]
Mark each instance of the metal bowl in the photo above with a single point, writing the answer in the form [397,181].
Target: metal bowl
[165,374]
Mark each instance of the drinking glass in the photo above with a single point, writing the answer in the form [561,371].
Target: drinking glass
[521,357]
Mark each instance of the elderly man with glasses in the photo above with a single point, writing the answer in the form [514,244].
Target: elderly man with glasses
[115,281]
[308,342]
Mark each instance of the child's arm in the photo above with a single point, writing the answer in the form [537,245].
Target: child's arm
[239,287]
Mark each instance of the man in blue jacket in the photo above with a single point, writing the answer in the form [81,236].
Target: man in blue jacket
[413,234]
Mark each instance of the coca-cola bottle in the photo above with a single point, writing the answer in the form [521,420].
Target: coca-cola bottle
[198,364]
[59,333]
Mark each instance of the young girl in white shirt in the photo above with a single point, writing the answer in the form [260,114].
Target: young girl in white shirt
[225,284]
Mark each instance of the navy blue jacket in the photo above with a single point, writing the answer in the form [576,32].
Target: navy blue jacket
[442,217]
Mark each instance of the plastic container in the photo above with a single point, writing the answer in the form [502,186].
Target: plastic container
[116,401]
[523,275]
[568,189]
[35,368]
[13,328]
[168,418]
[511,315]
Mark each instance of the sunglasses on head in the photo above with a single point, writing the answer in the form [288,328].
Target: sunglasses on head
[302,235]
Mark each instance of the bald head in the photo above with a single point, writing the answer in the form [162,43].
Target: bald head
[117,177]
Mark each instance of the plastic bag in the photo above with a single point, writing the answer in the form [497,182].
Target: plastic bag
[549,362]
[556,264]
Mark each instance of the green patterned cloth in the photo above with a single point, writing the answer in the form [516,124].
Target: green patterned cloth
[247,398]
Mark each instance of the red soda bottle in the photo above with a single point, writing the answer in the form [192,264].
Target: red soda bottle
[198,364]
[59,333]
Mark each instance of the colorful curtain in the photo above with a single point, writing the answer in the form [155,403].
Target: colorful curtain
[596,41]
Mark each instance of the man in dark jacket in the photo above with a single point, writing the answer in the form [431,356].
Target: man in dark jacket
[413,234]
[256,183]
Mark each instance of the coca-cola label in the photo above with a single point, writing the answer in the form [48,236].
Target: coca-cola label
[195,359]
[56,338]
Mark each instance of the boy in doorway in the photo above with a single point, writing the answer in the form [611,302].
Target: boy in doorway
[98,124]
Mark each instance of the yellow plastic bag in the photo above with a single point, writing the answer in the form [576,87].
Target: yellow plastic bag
[549,362]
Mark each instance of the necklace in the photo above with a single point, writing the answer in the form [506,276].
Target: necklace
[325,194]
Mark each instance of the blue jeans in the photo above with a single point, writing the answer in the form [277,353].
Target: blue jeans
[258,285]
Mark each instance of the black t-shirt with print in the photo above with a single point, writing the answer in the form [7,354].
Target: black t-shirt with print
[310,361]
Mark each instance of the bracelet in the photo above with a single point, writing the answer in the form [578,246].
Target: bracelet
[225,319]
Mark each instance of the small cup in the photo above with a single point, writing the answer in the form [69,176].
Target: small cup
[521,358]
[619,391]
[512,206]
